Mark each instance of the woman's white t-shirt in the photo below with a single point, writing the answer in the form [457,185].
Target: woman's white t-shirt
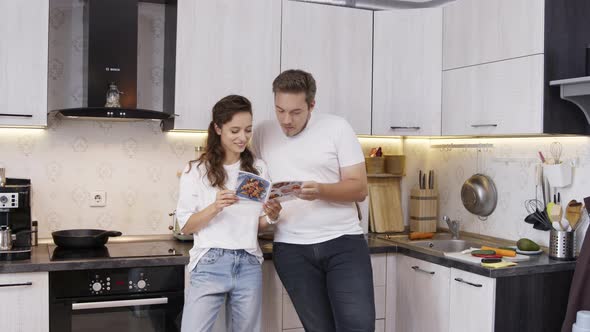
[236,227]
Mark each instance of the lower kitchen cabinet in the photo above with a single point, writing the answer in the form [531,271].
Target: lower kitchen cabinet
[422,300]
[26,302]
[472,302]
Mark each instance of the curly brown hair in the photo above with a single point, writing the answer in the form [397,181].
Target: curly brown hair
[214,155]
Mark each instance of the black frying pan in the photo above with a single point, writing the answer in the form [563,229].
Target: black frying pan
[82,238]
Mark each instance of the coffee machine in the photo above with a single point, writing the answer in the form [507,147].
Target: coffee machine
[15,218]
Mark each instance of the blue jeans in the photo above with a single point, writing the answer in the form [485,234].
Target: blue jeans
[329,283]
[222,273]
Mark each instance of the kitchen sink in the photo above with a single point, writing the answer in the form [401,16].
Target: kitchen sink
[446,245]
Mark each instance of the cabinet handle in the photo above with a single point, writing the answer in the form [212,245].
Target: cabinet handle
[17,285]
[467,282]
[484,125]
[418,269]
[404,128]
[17,115]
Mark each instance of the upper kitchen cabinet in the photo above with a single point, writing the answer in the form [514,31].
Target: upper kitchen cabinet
[407,72]
[23,62]
[499,98]
[499,57]
[335,45]
[482,31]
[222,47]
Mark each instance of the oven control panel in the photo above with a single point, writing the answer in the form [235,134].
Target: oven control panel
[116,281]
[104,283]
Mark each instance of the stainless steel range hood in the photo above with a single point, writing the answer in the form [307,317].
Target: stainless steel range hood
[110,56]
[382,4]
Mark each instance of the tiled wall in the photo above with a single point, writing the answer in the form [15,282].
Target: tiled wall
[511,164]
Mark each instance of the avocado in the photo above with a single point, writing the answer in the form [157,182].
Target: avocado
[527,245]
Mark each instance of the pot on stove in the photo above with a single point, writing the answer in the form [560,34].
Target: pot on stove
[175,228]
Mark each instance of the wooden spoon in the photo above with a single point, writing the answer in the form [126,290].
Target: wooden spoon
[573,213]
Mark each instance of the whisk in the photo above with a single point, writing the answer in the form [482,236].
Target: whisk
[555,150]
[533,205]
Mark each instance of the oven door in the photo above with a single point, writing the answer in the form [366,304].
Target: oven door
[146,313]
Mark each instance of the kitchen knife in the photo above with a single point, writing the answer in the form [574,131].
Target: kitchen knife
[420,179]
[424,181]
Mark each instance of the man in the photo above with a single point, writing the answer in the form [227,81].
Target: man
[319,251]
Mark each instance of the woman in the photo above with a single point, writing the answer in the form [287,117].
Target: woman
[226,259]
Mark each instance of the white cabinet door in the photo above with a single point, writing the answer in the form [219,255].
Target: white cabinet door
[472,302]
[498,98]
[407,72]
[25,298]
[272,297]
[422,296]
[391,293]
[24,28]
[334,44]
[482,31]
[225,47]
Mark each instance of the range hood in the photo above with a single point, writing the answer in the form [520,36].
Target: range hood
[381,4]
[110,56]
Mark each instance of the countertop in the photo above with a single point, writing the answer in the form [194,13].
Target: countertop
[398,244]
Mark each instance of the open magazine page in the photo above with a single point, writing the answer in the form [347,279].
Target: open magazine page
[252,187]
[284,191]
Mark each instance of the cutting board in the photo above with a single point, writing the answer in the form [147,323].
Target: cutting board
[464,257]
[385,205]
[477,260]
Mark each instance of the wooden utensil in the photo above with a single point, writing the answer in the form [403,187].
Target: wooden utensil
[573,213]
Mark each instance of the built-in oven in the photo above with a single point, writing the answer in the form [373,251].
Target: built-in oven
[142,299]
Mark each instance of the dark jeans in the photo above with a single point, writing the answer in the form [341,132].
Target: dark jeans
[330,283]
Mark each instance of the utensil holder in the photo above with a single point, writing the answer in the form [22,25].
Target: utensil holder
[559,175]
[375,165]
[395,165]
[423,210]
[562,245]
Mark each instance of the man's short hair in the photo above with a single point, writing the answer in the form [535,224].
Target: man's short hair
[295,81]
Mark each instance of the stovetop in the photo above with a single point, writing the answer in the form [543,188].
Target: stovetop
[114,250]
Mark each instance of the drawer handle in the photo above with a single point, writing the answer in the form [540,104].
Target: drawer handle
[17,285]
[404,128]
[418,269]
[17,115]
[467,282]
[484,125]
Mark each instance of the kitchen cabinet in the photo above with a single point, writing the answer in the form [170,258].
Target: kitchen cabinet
[483,31]
[23,62]
[422,296]
[407,70]
[25,298]
[498,98]
[472,300]
[223,47]
[492,78]
[334,44]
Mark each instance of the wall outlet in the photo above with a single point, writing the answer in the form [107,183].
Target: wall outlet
[98,198]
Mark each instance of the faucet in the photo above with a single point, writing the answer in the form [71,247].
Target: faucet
[453,226]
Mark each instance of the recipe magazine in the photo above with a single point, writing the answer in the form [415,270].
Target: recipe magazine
[253,187]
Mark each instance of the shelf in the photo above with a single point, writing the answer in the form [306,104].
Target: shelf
[383,175]
[576,90]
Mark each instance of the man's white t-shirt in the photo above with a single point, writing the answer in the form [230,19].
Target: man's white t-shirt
[236,227]
[317,153]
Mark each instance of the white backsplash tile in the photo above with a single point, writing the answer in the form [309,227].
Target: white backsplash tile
[511,164]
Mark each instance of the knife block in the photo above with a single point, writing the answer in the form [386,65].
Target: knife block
[423,210]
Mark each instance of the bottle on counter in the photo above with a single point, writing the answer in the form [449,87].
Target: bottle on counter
[34,233]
